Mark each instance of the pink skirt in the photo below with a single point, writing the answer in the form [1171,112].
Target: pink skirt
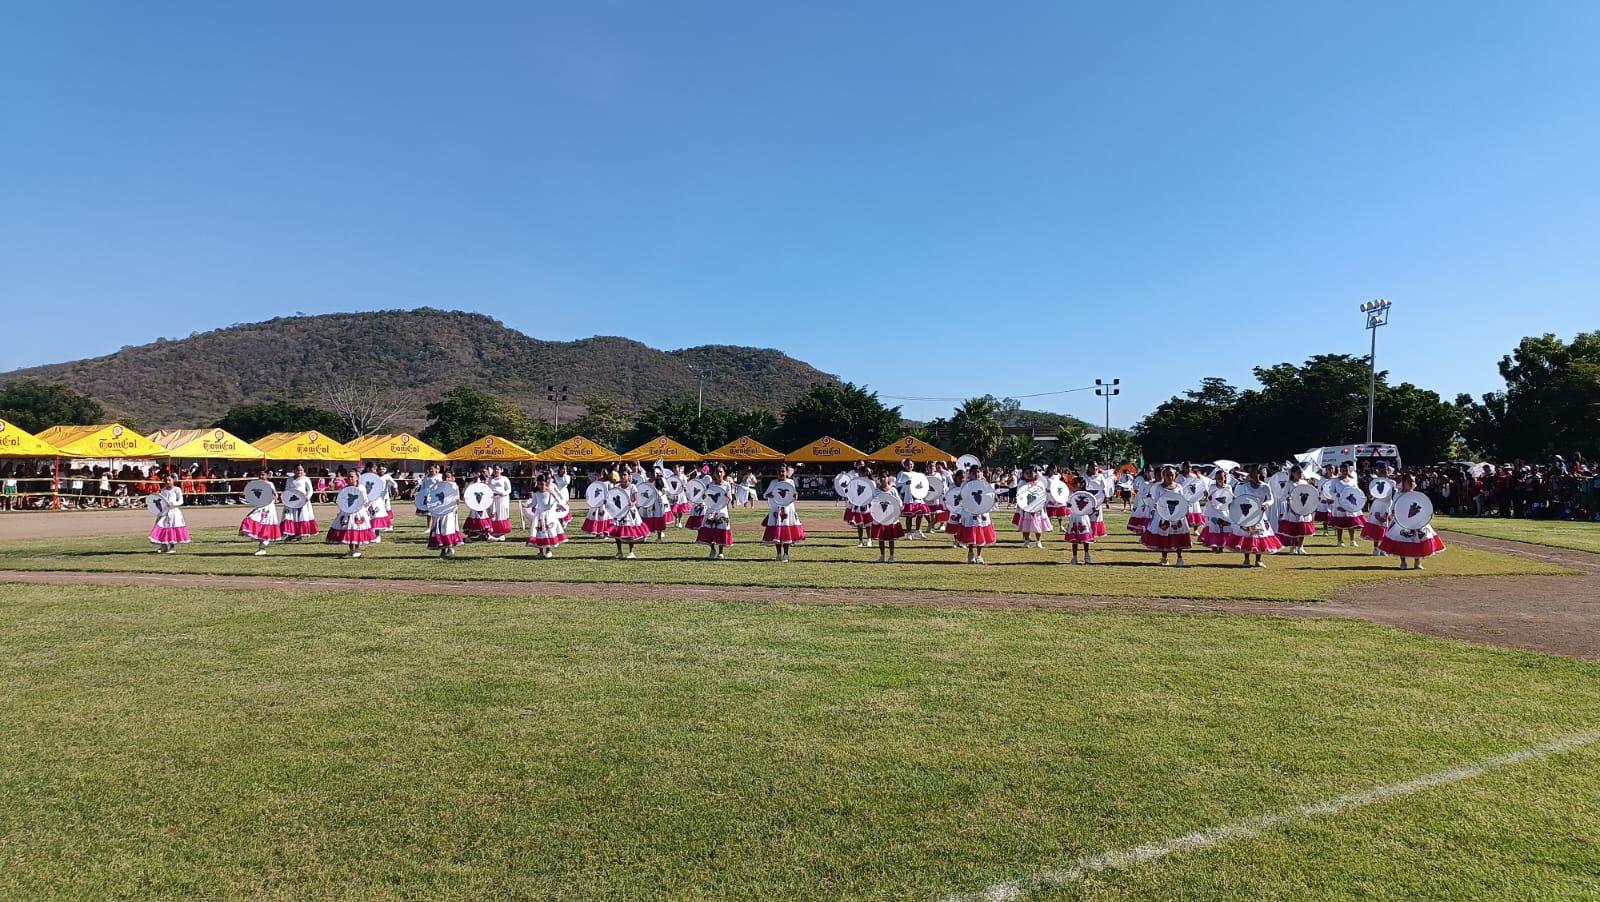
[694,522]
[1057,511]
[1425,548]
[656,524]
[300,528]
[1373,531]
[598,526]
[710,536]
[979,536]
[941,515]
[626,533]
[1346,521]
[1196,519]
[1099,529]
[1082,537]
[261,532]
[170,535]
[1031,522]
[1210,538]
[1320,517]
[886,533]
[1136,525]
[476,525]
[499,527]
[549,541]
[783,535]
[445,540]
[1267,544]
[364,536]
[857,518]
[914,509]
[1296,529]
[681,508]
[1157,542]
[384,522]
[566,518]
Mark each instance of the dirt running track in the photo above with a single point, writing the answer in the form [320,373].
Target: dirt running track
[1555,614]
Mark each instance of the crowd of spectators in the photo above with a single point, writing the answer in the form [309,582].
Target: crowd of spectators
[1557,489]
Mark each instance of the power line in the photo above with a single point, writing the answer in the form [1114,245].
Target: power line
[1042,394]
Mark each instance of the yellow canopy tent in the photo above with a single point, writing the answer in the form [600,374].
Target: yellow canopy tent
[303,446]
[745,448]
[106,440]
[492,449]
[18,442]
[662,448]
[577,450]
[911,447]
[397,446]
[209,444]
[826,450]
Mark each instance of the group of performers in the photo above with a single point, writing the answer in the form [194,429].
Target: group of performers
[1253,511]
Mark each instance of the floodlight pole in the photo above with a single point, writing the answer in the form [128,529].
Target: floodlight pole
[1108,390]
[1377,315]
[555,397]
[701,374]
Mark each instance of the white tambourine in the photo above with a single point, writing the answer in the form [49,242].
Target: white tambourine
[1279,482]
[1302,500]
[258,493]
[841,483]
[917,486]
[968,462]
[1246,511]
[595,494]
[716,498]
[1059,492]
[1412,510]
[1350,500]
[442,499]
[1193,488]
[673,483]
[648,496]
[478,497]
[376,486]
[1382,510]
[977,497]
[1171,505]
[351,499]
[885,508]
[952,499]
[1031,497]
[1081,503]
[696,491]
[156,503]
[936,485]
[1380,488]
[782,493]
[859,491]
[616,503]
[294,499]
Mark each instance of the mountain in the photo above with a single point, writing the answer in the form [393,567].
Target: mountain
[193,381]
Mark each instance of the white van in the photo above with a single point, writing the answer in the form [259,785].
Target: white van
[1364,456]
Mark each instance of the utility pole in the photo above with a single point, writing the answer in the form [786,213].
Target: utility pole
[1108,390]
[1377,315]
[702,372]
[556,396]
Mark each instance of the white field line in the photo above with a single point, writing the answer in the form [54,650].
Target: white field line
[1251,827]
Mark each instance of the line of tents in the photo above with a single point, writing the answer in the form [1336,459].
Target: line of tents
[114,441]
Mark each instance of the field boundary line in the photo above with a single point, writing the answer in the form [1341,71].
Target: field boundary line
[1251,827]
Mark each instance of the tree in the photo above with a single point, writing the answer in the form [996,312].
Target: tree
[1550,405]
[847,412]
[466,414]
[35,406]
[1419,422]
[758,423]
[367,406]
[602,421]
[1072,445]
[252,421]
[1190,426]
[1017,451]
[1116,448]
[975,428]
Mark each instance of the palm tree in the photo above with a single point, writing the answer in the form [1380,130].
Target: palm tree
[975,428]
[1117,448]
[1072,444]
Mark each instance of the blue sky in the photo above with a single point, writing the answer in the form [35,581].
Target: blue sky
[1156,192]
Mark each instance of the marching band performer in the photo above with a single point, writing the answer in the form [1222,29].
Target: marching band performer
[1166,534]
[1293,530]
[1108,488]
[1377,520]
[656,517]
[595,520]
[938,514]
[629,526]
[170,530]
[1412,544]
[499,506]
[716,527]
[885,534]
[977,530]
[429,479]
[1217,533]
[559,482]
[547,529]
[679,507]
[263,523]
[353,530]
[1341,521]
[745,489]
[913,509]
[1196,515]
[444,532]
[697,509]
[1324,506]
[297,524]
[1080,531]
[1034,525]
[860,517]
[782,527]
[1052,510]
[1257,539]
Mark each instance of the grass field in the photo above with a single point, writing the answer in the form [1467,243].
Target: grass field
[829,559]
[1578,536]
[189,743]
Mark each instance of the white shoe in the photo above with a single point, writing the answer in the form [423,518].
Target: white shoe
[981,560]
[261,552]
[355,554]
[1087,559]
[630,556]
